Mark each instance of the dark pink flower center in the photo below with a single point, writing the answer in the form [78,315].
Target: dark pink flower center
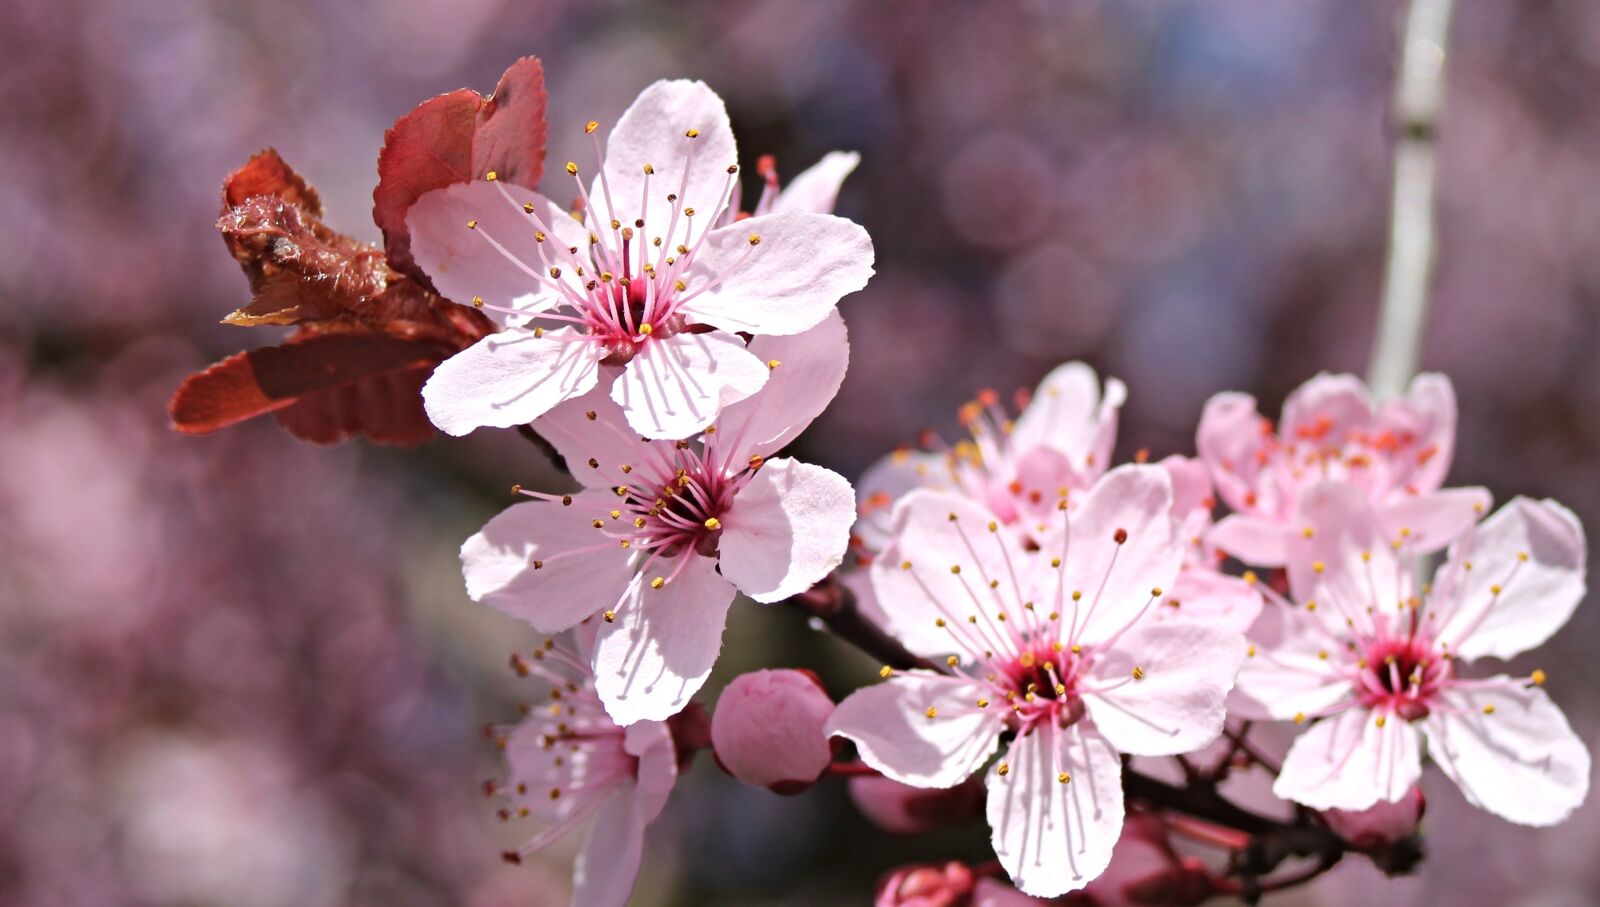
[1401,674]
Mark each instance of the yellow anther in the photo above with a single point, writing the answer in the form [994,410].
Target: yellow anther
[932,712]
[1003,770]
[1063,777]
[1382,720]
[692,133]
[491,176]
[1138,673]
[572,168]
[1522,555]
[713,524]
[756,460]
[1366,558]
[658,582]
[773,364]
[649,169]
[952,661]
[610,616]
[1251,578]
[1489,709]
[1250,652]
[1027,659]
[1299,717]
[1156,592]
[590,127]
[1307,532]
[885,671]
[598,524]
[1318,566]
[955,568]
[1537,677]
[527,207]
[983,703]
[755,239]
[472,225]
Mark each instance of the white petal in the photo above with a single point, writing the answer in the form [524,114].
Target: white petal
[1340,557]
[886,482]
[894,734]
[1350,761]
[498,259]
[1176,705]
[652,131]
[509,379]
[1433,520]
[663,644]
[786,529]
[607,440]
[811,366]
[1284,675]
[651,743]
[817,187]
[608,865]
[805,263]
[1215,599]
[676,387]
[939,568]
[1522,762]
[1067,414]
[1536,596]
[499,562]
[1254,540]
[1054,837]
[1117,579]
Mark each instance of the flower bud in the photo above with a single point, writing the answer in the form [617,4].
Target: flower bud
[1381,824]
[905,810]
[767,730]
[925,886]
[1146,870]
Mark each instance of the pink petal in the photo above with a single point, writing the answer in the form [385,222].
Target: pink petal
[1328,406]
[1283,675]
[463,262]
[811,369]
[652,131]
[767,729]
[1176,704]
[1431,521]
[817,187]
[1205,596]
[1068,414]
[651,743]
[1338,528]
[1522,762]
[499,562]
[1427,414]
[606,440]
[1350,761]
[663,643]
[1117,579]
[788,527]
[804,265]
[1054,837]
[1228,440]
[1536,596]
[1252,539]
[677,386]
[991,893]
[509,379]
[892,731]
[886,482]
[1191,486]
[917,597]
[608,865]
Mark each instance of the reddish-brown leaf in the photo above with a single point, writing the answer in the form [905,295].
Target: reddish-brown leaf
[267,174]
[324,388]
[454,138]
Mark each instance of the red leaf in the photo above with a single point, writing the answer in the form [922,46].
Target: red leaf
[324,388]
[267,174]
[458,137]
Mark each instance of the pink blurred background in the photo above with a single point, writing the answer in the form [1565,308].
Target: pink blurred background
[238,670]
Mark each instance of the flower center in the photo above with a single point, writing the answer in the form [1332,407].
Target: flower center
[1040,685]
[1402,675]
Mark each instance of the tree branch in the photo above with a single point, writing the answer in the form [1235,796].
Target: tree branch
[831,602]
[1419,96]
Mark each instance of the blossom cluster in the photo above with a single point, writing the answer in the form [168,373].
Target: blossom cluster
[1059,614]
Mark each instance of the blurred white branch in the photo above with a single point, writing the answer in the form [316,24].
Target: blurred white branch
[1419,95]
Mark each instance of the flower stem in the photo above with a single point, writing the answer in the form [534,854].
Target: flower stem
[1419,96]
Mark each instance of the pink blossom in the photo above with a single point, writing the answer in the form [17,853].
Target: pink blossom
[948,885]
[1145,869]
[905,810]
[1372,658]
[767,729]
[1381,823]
[814,189]
[1019,469]
[569,761]
[664,532]
[630,296]
[1050,647]
[1397,453]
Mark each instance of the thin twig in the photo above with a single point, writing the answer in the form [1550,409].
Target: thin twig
[1419,96]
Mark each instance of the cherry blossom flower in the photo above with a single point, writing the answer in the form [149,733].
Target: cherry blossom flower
[664,531]
[814,189]
[1380,824]
[1019,469]
[627,293]
[1372,657]
[1397,453]
[767,729]
[569,762]
[1050,648]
